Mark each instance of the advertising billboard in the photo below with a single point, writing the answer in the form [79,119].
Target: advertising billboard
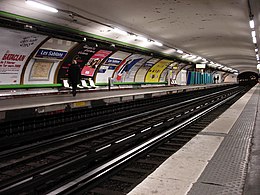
[15,49]
[107,69]
[154,73]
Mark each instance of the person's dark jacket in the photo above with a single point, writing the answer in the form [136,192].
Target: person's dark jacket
[74,74]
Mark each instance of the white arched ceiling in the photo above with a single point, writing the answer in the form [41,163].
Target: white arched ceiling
[217,30]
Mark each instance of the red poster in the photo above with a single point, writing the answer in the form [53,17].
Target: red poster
[94,61]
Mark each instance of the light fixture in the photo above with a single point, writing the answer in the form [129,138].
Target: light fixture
[185,56]
[197,59]
[41,6]
[119,31]
[253,33]
[252,24]
[157,43]
[256,49]
[254,40]
[179,51]
[192,57]
[140,38]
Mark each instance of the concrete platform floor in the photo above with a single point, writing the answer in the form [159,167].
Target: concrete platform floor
[197,169]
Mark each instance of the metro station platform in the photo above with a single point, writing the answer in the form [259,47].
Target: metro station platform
[23,104]
[222,159]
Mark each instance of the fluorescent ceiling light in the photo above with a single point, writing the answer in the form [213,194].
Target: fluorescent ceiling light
[254,40]
[253,33]
[198,58]
[185,56]
[119,31]
[219,65]
[157,43]
[41,6]
[140,38]
[179,51]
[192,57]
[169,51]
[252,24]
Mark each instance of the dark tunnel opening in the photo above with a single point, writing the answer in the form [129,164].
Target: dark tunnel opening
[248,78]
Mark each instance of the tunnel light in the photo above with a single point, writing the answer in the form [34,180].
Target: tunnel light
[41,6]
[253,33]
[256,49]
[258,66]
[254,40]
[119,31]
[252,24]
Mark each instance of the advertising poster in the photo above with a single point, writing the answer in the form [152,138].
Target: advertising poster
[175,69]
[140,75]
[107,69]
[40,70]
[84,53]
[15,48]
[154,73]
[89,69]
[123,70]
[131,73]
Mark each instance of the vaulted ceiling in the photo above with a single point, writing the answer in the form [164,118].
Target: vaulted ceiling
[216,30]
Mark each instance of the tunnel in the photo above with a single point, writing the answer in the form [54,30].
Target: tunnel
[248,78]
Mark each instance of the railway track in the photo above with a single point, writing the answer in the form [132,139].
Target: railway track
[39,168]
[25,131]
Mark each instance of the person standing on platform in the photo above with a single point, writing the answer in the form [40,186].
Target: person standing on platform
[74,76]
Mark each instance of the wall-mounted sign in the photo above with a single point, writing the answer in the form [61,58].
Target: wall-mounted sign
[200,65]
[106,70]
[15,48]
[50,54]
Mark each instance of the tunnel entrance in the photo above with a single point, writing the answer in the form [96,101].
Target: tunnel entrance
[248,78]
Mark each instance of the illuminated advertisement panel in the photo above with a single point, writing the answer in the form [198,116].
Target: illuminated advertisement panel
[130,71]
[140,75]
[94,61]
[153,74]
[176,68]
[167,73]
[122,72]
[88,54]
[15,48]
[42,67]
[107,69]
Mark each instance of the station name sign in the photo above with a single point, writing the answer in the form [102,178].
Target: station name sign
[201,66]
[50,54]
